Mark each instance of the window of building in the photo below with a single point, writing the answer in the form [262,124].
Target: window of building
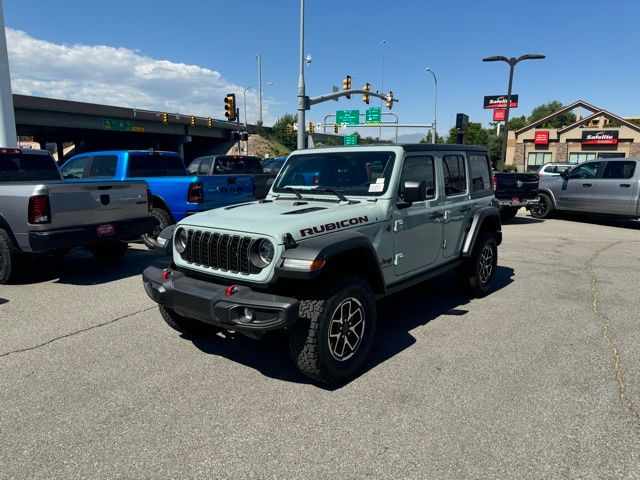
[579,157]
[455,176]
[535,159]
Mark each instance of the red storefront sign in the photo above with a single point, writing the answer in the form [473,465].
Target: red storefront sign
[541,137]
[499,115]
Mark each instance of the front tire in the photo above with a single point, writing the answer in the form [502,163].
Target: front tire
[480,269]
[335,332]
[544,208]
[164,220]
[184,325]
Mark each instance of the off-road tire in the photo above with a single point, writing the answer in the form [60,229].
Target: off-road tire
[187,326]
[164,220]
[507,213]
[10,258]
[309,338]
[544,208]
[109,252]
[479,270]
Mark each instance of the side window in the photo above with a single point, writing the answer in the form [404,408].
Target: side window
[619,170]
[75,168]
[193,167]
[416,169]
[480,173]
[586,170]
[103,166]
[455,177]
[205,166]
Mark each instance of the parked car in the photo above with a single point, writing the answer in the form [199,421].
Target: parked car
[554,168]
[175,193]
[378,220]
[40,212]
[515,190]
[608,187]
[235,165]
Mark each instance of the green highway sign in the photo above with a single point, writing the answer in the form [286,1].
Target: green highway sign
[118,125]
[350,139]
[373,115]
[350,117]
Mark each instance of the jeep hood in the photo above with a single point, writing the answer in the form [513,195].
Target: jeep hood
[300,218]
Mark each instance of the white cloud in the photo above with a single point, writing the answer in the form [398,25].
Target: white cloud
[120,77]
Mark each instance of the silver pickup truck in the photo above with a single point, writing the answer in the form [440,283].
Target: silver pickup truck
[601,187]
[39,212]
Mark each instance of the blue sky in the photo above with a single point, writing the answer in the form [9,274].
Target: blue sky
[591,48]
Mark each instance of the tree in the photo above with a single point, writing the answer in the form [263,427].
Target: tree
[517,123]
[428,138]
[279,131]
[547,109]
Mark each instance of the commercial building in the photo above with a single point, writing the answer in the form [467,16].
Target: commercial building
[600,134]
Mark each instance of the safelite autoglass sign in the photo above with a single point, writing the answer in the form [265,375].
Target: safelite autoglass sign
[500,101]
[600,137]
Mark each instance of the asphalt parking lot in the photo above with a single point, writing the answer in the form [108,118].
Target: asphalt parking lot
[540,379]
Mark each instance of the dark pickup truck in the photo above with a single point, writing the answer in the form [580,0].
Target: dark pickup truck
[235,165]
[515,190]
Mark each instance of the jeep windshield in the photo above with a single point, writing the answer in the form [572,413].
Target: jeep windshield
[351,173]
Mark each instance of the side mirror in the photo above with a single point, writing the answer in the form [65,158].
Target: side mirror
[565,174]
[413,192]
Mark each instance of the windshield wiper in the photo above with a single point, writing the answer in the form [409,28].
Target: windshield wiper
[294,191]
[337,193]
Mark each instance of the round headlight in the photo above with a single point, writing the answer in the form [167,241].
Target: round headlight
[266,251]
[180,240]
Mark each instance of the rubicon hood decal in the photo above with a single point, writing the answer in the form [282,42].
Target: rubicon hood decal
[327,227]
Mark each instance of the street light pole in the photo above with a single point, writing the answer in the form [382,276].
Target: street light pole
[512,63]
[244,101]
[301,88]
[259,60]
[435,106]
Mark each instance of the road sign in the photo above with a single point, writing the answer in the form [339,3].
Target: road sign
[350,117]
[350,139]
[117,125]
[499,115]
[373,115]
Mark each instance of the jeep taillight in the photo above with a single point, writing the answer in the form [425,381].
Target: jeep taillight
[149,200]
[195,193]
[495,183]
[39,210]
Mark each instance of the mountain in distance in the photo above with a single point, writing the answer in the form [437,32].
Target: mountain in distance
[410,137]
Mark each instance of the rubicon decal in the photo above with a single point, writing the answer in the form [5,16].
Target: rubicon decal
[327,227]
[603,137]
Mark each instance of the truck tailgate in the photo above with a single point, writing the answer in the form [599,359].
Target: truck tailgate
[221,190]
[89,203]
[521,185]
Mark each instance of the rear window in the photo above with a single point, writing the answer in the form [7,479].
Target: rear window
[480,173]
[27,167]
[237,164]
[155,164]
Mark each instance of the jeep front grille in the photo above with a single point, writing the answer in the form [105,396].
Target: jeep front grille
[220,251]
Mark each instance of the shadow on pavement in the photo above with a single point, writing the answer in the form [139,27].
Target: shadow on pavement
[397,316]
[81,268]
[598,220]
[519,220]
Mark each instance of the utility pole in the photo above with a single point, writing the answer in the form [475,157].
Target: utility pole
[8,137]
[238,127]
[301,89]
[259,59]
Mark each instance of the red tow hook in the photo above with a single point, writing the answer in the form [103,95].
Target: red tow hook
[166,273]
[231,289]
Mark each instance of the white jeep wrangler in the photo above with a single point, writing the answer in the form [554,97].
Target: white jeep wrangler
[340,228]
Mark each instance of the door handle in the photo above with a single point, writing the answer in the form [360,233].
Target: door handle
[586,184]
[625,185]
[435,216]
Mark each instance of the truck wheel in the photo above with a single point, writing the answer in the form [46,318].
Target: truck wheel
[507,213]
[9,258]
[479,270]
[335,332]
[184,325]
[109,252]
[544,208]
[164,220]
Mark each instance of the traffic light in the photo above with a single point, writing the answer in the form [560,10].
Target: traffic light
[230,107]
[310,127]
[335,128]
[165,117]
[289,129]
[346,84]
[209,122]
[390,100]
[366,97]
[192,120]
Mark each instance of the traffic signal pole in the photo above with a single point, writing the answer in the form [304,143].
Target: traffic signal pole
[238,127]
[301,88]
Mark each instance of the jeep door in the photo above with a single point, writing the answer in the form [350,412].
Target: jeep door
[417,230]
[457,203]
[615,190]
[576,193]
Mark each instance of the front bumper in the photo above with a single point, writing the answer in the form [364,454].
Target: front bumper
[88,234]
[218,305]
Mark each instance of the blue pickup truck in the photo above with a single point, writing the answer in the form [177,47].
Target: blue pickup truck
[175,193]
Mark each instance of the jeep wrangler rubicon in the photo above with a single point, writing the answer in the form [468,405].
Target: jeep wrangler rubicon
[340,228]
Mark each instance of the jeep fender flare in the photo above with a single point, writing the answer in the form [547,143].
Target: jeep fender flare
[484,218]
[327,247]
